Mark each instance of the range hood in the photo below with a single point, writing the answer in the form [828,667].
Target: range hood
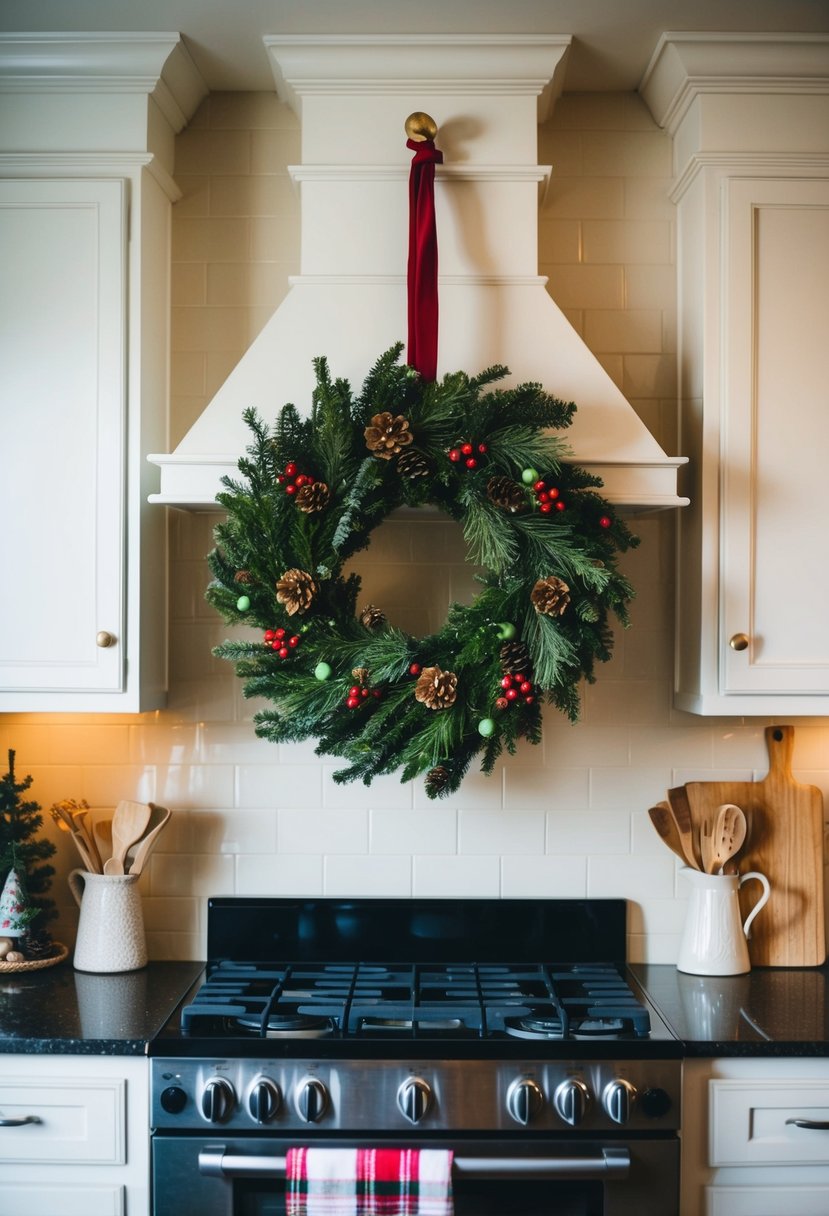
[349,303]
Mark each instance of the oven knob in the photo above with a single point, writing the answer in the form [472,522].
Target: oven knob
[618,1099]
[264,1099]
[311,1100]
[414,1097]
[571,1100]
[524,1100]
[218,1100]
[173,1099]
[655,1103]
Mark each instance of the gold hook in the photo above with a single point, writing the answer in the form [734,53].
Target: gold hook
[420,126]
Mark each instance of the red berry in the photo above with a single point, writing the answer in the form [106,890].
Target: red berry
[559,505]
[501,703]
[511,694]
[281,479]
[283,652]
[553,492]
[455,455]
[364,692]
[290,469]
[290,489]
[300,481]
[529,700]
[525,687]
[543,496]
[353,702]
[605,521]
[415,669]
[546,507]
[506,681]
[483,449]
[279,633]
[467,449]
[539,486]
[269,635]
[354,691]
[377,692]
[471,462]
[275,645]
[294,641]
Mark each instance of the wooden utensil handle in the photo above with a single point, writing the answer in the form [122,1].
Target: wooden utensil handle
[780,746]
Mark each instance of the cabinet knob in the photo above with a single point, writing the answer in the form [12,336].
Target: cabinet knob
[739,641]
[104,639]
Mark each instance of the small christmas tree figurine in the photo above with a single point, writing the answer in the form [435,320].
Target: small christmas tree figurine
[20,850]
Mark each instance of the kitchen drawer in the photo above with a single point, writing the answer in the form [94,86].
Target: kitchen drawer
[766,1200]
[747,1124]
[82,1121]
[37,1199]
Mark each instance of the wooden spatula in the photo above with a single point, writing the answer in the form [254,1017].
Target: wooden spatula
[129,822]
[663,820]
[681,809]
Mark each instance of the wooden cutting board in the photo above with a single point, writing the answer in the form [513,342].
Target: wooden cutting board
[785,842]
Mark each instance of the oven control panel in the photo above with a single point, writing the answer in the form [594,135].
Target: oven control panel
[443,1095]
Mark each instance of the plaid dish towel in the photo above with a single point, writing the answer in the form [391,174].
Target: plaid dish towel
[368,1182]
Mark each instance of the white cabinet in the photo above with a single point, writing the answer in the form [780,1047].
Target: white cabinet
[62,495]
[750,124]
[742,1152]
[74,1140]
[86,148]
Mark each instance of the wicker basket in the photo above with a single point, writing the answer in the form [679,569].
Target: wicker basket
[37,964]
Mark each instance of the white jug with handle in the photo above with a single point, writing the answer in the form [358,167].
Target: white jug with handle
[714,939]
[111,927]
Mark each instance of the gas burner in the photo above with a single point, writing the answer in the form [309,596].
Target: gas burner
[534,1028]
[550,1028]
[286,1026]
[407,1026]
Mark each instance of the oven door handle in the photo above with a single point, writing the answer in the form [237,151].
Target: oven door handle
[216,1162]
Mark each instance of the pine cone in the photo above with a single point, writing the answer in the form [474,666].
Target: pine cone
[506,494]
[387,435]
[372,618]
[243,576]
[436,689]
[313,497]
[436,781]
[360,675]
[296,590]
[37,946]
[515,659]
[413,464]
[550,596]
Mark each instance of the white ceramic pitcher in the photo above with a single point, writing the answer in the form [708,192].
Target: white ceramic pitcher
[714,939]
[111,927]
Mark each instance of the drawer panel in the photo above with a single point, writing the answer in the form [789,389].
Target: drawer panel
[748,1122]
[766,1201]
[34,1199]
[82,1121]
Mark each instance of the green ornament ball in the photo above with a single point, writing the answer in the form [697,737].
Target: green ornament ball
[323,671]
[506,631]
[486,727]
[529,477]
[243,603]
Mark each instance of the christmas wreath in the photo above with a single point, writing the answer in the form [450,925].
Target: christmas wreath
[310,493]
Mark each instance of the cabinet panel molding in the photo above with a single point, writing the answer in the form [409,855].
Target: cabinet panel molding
[748,1122]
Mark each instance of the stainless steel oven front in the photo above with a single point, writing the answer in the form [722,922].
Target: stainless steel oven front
[531,1137]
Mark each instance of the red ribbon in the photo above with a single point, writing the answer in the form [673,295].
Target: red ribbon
[423,259]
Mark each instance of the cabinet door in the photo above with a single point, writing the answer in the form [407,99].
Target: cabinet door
[775,573]
[62,397]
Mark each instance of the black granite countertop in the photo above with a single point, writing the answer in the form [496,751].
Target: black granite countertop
[771,1011]
[67,1012]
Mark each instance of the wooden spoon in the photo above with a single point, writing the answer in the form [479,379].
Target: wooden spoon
[665,824]
[681,810]
[159,817]
[82,827]
[128,824]
[728,837]
[64,821]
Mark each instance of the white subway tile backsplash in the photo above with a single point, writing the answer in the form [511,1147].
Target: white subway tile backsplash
[608,831]
[194,785]
[464,877]
[423,831]
[344,830]
[371,876]
[630,877]
[562,876]
[279,785]
[272,874]
[501,832]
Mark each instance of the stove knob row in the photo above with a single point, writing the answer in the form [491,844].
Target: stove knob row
[414,1097]
[311,1100]
[217,1100]
[617,1099]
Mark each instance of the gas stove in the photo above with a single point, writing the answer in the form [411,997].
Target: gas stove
[322,1020]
